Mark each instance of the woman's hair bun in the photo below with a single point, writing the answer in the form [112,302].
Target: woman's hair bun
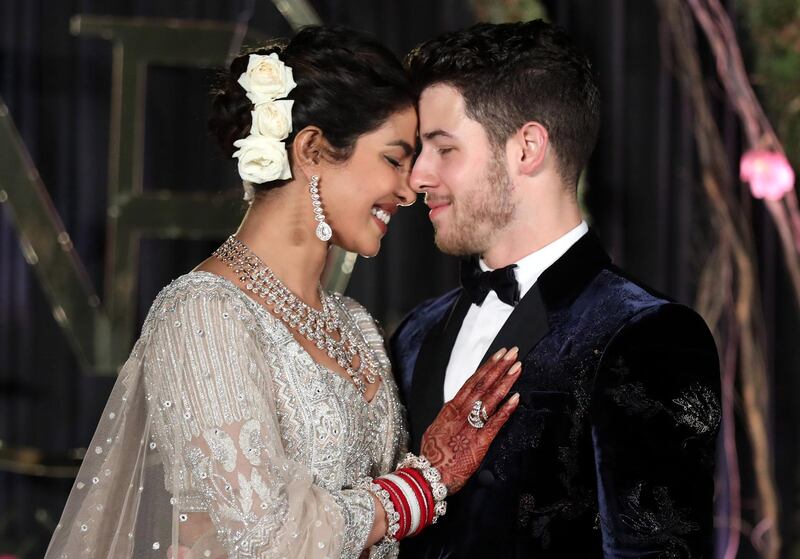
[348,84]
[230,108]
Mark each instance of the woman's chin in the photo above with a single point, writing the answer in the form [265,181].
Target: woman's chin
[365,249]
[370,253]
[370,250]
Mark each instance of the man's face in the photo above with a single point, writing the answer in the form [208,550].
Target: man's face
[464,177]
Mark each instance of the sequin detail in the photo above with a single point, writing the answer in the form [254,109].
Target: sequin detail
[218,458]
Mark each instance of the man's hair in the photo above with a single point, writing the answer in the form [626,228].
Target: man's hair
[513,73]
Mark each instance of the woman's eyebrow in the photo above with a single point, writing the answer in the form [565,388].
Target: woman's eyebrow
[403,144]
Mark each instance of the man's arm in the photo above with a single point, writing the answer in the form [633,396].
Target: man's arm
[655,418]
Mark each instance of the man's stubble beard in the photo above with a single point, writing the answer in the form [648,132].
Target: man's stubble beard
[480,213]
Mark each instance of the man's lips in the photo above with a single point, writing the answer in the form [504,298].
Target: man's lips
[437,208]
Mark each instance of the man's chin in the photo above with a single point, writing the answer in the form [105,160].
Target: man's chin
[454,247]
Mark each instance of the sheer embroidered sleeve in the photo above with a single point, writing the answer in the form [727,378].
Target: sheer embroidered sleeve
[234,490]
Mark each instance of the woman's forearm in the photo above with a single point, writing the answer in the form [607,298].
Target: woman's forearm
[379,525]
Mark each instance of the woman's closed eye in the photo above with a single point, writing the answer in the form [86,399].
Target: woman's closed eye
[399,165]
[393,162]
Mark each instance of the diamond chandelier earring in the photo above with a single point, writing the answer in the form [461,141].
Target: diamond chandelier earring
[323,231]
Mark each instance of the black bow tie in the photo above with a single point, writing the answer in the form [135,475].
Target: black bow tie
[479,283]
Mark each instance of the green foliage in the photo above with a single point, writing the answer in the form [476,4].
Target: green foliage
[773,30]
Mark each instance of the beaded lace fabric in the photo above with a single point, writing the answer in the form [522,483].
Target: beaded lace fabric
[222,438]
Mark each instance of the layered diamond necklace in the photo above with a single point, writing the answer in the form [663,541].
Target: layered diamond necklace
[318,327]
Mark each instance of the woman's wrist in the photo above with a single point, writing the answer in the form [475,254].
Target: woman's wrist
[377,534]
[413,497]
[433,477]
[391,518]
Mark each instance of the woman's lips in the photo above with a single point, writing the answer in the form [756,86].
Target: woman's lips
[382,215]
[384,228]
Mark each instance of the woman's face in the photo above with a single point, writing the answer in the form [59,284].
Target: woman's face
[360,195]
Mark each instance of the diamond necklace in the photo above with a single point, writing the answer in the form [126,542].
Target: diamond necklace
[316,326]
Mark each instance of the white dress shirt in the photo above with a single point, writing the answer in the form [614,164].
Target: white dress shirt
[483,323]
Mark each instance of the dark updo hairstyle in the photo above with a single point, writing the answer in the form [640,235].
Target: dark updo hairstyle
[348,84]
[513,73]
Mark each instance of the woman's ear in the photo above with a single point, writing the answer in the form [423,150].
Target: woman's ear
[308,148]
[533,140]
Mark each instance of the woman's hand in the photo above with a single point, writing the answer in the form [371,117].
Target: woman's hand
[451,444]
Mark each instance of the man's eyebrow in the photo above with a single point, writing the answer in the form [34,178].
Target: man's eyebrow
[435,134]
[407,149]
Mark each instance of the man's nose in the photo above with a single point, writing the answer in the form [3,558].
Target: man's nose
[422,176]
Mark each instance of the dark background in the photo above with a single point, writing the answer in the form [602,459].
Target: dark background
[643,197]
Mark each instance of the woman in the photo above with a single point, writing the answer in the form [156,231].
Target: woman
[257,415]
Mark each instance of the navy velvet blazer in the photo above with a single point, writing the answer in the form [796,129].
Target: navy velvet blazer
[611,450]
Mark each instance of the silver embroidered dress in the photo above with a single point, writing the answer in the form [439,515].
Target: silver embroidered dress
[223,438]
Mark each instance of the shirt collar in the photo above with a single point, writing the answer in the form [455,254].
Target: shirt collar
[530,267]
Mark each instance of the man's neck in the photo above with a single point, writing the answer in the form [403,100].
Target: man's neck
[526,237]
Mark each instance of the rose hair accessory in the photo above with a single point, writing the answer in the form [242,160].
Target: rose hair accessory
[262,154]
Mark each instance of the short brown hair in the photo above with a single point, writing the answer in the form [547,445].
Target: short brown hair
[514,73]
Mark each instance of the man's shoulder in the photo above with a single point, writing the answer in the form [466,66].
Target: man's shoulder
[616,301]
[642,310]
[631,289]
[618,296]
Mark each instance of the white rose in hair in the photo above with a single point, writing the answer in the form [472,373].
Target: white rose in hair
[267,78]
[262,159]
[272,119]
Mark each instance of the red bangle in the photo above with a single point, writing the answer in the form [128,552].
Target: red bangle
[412,495]
[419,495]
[400,505]
[428,493]
[434,479]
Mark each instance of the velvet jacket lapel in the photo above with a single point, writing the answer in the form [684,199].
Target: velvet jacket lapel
[526,325]
[560,283]
[427,386]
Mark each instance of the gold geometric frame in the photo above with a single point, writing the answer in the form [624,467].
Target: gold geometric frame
[101,333]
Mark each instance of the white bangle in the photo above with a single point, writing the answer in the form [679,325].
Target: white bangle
[433,477]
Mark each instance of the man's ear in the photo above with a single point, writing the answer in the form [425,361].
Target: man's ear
[532,142]
[309,147]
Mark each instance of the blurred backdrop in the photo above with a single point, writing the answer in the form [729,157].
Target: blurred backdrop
[662,190]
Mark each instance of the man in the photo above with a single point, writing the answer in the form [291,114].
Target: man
[611,450]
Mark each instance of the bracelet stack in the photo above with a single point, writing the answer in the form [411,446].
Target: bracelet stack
[413,497]
[434,479]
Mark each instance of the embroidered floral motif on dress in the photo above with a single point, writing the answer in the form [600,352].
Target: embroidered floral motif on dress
[246,447]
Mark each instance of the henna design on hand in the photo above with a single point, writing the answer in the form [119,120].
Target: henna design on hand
[450,443]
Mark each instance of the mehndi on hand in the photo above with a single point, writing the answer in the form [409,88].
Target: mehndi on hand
[458,439]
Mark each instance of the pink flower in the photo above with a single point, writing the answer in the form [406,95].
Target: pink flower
[8,557]
[768,172]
